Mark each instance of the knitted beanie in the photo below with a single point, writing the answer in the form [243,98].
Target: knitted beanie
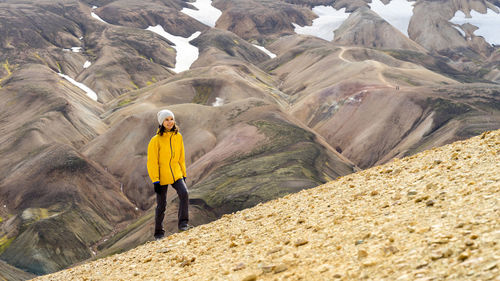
[163,114]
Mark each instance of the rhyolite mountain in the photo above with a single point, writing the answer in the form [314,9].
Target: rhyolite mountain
[73,180]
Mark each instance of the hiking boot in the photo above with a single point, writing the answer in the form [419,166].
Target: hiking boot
[185,227]
[158,237]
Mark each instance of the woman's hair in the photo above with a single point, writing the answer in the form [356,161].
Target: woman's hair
[162,129]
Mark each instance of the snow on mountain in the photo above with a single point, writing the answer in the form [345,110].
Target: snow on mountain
[186,55]
[488,24]
[91,94]
[328,20]
[73,49]
[94,15]
[218,102]
[271,55]
[397,12]
[206,13]
[87,64]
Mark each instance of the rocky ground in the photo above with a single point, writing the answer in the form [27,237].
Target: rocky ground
[431,216]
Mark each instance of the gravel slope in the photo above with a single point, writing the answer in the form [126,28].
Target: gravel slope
[431,216]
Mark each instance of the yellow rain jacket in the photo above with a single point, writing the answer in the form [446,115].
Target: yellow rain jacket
[166,162]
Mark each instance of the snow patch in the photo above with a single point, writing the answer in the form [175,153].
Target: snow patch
[398,13]
[328,20]
[206,13]
[87,64]
[73,49]
[459,30]
[218,102]
[488,24]
[91,94]
[186,55]
[271,55]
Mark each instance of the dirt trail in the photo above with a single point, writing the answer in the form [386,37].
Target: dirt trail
[378,67]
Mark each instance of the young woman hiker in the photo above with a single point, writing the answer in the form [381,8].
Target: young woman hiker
[166,165]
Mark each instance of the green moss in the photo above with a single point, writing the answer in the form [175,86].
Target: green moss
[1,219]
[280,135]
[135,85]
[203,93]
[124,102]
[405,55]
[59,66]
[153,80]
[406,79]
[247,181]
[288,161]
[446,110]
[482,72]
[7,67]
[5,243]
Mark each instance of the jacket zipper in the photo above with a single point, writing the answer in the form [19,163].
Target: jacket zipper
[171,157]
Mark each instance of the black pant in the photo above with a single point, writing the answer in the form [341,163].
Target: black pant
[161,204]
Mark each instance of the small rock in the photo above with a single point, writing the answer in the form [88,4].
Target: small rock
[362,254]
[337,275]
[412,192]
[162,251]
[463,256]
[368,263]
[436,255]
[274,250]
[300,242]
[490,266]
[429,203]
[358,242]
[148,259]
[250,277]
[448,253]
[266,268]
[422,265]
[280,268]
[374,192]
[239,266]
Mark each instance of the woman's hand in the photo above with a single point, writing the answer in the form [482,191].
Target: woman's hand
[157,187]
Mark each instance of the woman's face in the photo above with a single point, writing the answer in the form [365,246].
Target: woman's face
[169,123]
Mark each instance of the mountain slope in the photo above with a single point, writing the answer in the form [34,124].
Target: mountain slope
[8,272]
[434,215]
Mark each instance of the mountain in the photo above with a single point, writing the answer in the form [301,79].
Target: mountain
[264,109]
[430,215]
[8,272]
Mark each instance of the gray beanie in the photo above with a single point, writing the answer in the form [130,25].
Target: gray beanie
[163,114]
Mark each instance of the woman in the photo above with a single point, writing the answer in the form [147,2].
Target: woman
[166,166]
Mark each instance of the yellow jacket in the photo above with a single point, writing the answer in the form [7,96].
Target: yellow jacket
[166,162]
